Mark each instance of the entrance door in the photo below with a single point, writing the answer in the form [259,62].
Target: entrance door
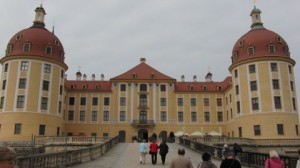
[122,136]
[143,134]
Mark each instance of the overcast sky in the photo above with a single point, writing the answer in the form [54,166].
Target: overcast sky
[177,37]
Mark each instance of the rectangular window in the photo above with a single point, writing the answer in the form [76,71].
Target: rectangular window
[275,84]
[62,74]
[236,73]
[294,103]
[292,85]
[251,51]
[82,101]
[18,128]
[179,101]
[162,88]
[44,103]
[237,89]
[238,106]
[71,116]
[20,101]
[45,85]
[2,102]
[163,116]
[253,86]
[290,69]
[206,116]
[122,101]
[106,116]
[277,102]
[256,129]
[123,87]
[71,101]
[47,68]
[3,84]
[255,104]
[94,115]
[240,132]
[193,116]
[24,65]
[106,101]
[252,68]
[193,102]
[82,116]
[122,116]
[274,67]
[60,89]
[5,67]
[95,101]
[206,101]
[280,130]
[297,130]
[42,129]
[220,116]
[59,106]
[271,49]
[219,101]
[163,101]
[180,116]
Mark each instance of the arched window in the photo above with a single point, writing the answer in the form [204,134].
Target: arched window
[48,50]
[26,47]
[251,51]
[9,48]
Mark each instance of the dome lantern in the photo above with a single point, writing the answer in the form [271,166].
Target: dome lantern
[39,17]
[256,19]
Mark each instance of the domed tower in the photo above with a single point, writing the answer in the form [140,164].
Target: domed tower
[32,82]
[263,85]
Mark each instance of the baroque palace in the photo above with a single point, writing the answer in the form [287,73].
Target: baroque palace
[257,101]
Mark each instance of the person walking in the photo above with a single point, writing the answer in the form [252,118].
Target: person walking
[224,151]
[237,151]
[143,152]
[274,161]
[206,157]
[153,151]
[7,157]
[230,161]
[181,161]
[163,150]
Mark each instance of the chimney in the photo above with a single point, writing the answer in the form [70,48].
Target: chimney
[195,78]
[182,78]
[93,77]
[84,77]
[143,60]
[102,77]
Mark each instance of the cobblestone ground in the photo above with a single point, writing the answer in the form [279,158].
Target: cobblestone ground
[126,155]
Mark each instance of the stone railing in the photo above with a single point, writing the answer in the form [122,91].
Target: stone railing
[66,158]
[250,159]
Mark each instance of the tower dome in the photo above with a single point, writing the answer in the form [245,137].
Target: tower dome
[259,42]
[36,41]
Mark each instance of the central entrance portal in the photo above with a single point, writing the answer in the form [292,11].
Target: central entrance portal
[143,134]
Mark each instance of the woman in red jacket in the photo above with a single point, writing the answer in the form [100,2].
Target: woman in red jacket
[153,151]
[274,161]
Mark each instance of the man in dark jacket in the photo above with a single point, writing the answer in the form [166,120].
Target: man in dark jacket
[163,150]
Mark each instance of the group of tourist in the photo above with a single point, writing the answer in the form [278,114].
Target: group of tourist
[231,157]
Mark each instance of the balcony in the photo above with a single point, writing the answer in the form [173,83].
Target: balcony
[143,123]
[143,107]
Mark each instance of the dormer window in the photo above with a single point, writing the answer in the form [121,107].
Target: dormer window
[241,43]
[9,48]
[219,88]
[286,50]
[26,47]
[97,87]
[271,49]
[152,75]
[48,50]
[204,88]
[235,55]
[84,87]
[56,42]
[134,75]
[19,36]
[73,87]
[191,88]
[251,51]
[279,39]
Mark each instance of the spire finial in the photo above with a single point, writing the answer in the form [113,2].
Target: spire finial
[53,26]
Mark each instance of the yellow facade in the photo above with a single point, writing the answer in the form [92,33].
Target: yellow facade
[37,100]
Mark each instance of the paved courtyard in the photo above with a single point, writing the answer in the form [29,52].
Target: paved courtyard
[126,155]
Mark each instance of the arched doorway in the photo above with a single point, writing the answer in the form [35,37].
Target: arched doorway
[163,135]
[143,134]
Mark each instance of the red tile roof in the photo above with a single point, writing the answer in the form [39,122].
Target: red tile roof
[203,86]
[142,72]
[91,86]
